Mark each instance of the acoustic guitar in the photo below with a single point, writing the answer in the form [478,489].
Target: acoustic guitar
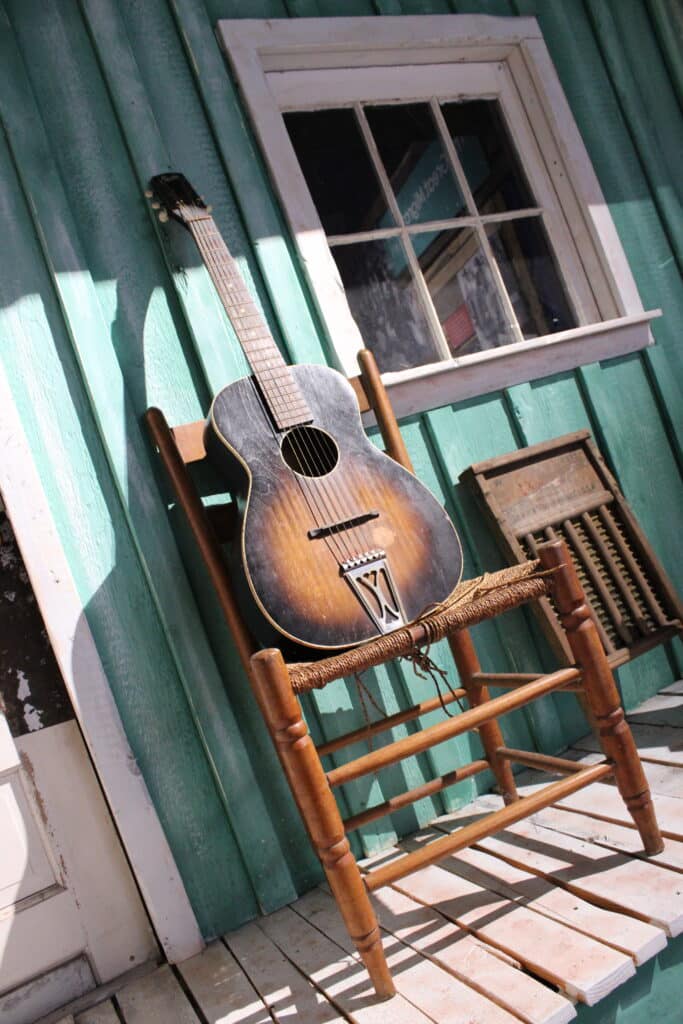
[338,543]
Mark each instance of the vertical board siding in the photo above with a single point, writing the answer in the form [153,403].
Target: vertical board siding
[119,313]
[59,80]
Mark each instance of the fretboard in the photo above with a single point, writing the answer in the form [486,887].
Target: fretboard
[279,389]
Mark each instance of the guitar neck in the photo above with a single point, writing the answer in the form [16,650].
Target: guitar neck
[279,389]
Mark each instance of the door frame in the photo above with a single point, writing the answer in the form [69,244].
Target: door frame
[86,683]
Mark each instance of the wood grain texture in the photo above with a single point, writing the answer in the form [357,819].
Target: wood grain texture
[103,1013]
[156,999]
[470,960]
[611,880]
[581,967]
[637,939]
[221,989]
[284,989]
[295,580]
[426,984]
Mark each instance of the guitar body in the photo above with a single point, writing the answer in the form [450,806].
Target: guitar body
[338,544]
[317,500]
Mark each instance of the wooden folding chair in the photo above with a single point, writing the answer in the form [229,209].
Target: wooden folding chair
[277,686]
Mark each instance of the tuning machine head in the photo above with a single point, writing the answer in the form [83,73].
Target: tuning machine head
[174,197]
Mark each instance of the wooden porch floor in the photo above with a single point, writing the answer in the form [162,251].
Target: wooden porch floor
[555,911]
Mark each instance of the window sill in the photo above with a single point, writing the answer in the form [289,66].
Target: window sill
[422,388]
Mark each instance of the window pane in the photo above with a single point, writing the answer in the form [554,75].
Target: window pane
[463,291]
[523,254]
[385,303]
[338,170]
[486,152]
[415,161]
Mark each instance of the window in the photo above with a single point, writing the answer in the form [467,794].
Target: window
[440,198]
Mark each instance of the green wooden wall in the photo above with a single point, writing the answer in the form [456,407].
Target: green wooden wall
[98,321]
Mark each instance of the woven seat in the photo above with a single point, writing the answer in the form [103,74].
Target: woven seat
[471,602]
[277,687]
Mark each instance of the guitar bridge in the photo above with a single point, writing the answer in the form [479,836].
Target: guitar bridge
[370,578]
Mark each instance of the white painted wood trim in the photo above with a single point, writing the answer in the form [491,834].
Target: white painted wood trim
[146,845]
[299,90]
[287,44]
[428,387]
[580,172]
[274,59]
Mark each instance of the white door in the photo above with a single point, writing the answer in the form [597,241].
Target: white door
[70,913]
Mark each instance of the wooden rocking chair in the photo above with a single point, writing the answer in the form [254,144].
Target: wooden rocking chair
[277,686]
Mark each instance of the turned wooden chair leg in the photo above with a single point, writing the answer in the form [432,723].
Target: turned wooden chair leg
[601,692]
[319,811]
[490,734]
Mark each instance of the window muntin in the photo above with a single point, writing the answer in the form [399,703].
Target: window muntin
[433,226]
[294,64]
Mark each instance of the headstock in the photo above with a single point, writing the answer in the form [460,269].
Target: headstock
[174,197]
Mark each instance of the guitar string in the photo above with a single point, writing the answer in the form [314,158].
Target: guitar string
[308,457]
[323,458]
[222,278]
[210,253]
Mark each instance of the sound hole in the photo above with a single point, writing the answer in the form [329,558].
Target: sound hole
[309,451]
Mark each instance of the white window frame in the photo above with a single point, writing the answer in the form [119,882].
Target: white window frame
[299,64]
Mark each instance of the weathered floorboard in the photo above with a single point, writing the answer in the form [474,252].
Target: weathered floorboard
[482,967]
[434,991]
[605,801]
[607,878]
[221,989]
[583,968]
[636,938]
[340,976]
[660,743]
[156,999]
[286,991]
[103,1013]
[607,834]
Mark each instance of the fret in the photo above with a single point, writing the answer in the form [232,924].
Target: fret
[268,367]
[289,397]
[280,391]
[286,402]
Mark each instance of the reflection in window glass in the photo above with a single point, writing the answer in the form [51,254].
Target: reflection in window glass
[489,161]
[528,270]
[467,290]
[338,170]
[463,291]
[384,301]
[415,161]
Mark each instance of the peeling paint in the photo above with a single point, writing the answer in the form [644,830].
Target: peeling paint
[23,689]
[32,717]
[27,765]
[32,691]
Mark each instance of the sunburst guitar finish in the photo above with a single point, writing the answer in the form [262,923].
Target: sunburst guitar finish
[329,560]
[339,544]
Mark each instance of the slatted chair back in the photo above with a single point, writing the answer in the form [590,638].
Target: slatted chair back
[563,488]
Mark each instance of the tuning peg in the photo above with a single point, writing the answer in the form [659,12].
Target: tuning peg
[148,193]
[156,206]
[163,216]
[209,209]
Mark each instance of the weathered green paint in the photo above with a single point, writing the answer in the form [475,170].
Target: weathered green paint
[117,313]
